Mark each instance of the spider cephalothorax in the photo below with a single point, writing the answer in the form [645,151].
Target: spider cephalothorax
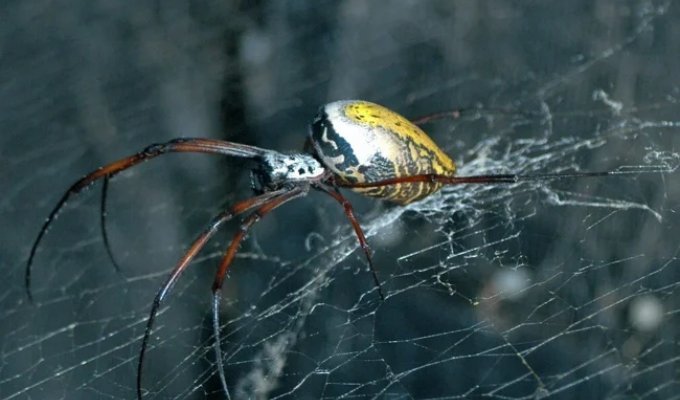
[276,170]
[353,144]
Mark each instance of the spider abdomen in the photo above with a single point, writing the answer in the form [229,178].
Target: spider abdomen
[363,142]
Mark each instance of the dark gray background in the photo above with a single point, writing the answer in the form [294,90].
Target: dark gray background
[83,83]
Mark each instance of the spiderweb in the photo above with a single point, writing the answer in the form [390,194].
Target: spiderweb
[567,289]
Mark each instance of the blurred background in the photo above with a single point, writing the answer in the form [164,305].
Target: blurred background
[554,290]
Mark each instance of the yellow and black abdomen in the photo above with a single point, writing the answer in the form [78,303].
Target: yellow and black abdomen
[363,142]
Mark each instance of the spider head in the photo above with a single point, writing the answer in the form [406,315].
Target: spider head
[278,169]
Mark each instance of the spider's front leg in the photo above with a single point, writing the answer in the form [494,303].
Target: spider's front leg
[190,254]
[265,208]
[180,145]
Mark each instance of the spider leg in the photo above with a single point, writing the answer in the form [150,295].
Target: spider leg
[186,145]
[424,119]
[483,179]
[102,224]
[458,112]
[186,259]
[349,212]
[228,258]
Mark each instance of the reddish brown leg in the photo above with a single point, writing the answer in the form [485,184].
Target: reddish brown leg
[452,114]
[189,145]
[228,258]
[186,259]
[349,212]
[482,179]
[102,224]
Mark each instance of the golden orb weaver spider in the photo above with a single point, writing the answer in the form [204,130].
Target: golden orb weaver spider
[352,144]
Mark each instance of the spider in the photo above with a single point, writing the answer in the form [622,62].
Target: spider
[352,144]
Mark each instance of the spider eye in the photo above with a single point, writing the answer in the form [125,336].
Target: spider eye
[301,171]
